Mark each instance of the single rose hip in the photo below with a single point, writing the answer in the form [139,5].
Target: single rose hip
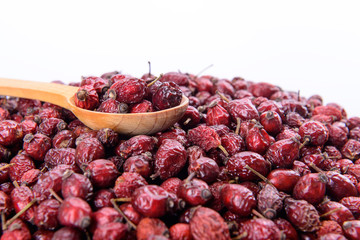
[236,166]
[46,214]
[282,153]
[103,216]
[88,150]
[136,145]
[238,199]
[314,132]
[111,105]
[353,204]
[260,229]
[180,79]
[128,90]
[22,197]
[142,107]
[329,226]
[28,126]
[68,233]
[48,112]
[258,140]
[151,201]
[141,164]
[269,201]
[113,230]
[351,149]
[263,89]
[328,111]
[102,173]
[311,187]
[51,126]
[10,132]
[74,212]
[335,211]
[215,190]
[30,177]
[17,230]
[99,84]
[283,179]
[352,229]
[205,169]
[302,215]
[243,109]
[102,198]
[86,97]
[205,137]
[292,105]
[191,118]
[337,135]
[194,191]
[170,158]
[177,134]
[180,231]
[64,139]
[287,133]
[287,228]
[271,121]
[20,164]
[208,224]
[151,227]
[76,185]
[58,156]
[130,212]
[167,95]
[36,145]
[127,183]
[233,143]
[217,115]
[338,186]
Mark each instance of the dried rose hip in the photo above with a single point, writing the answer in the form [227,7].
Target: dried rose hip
[64,139]
[10,132]
[238,199]
[151,228]
[135,146]
[113,230]
[151,201]
[58,156]
[102,198]
[194,191]
[258,140]
[46,214]
[128,90]
[208,224]
[335,211]
[51,126]
[141,164]
[236,166]
[102,173]
[180,231]
[17,230]
[282,153]
[20,164]
[271,121]
[283,179]
[99,84]
[103,216]
[269,201]
[352,229]
[314,132]
[76,185]
[167,95]
[86,97]
[74,212]
[36,145]
[22,197]
[205,169]
[170,158]
[261,229]
[127,183]
[302,215]
[311,187]
[88,150]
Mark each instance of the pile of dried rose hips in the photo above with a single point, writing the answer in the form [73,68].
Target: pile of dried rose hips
[247,161]
[118,93]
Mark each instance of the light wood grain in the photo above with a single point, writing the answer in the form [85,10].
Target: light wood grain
[63,95]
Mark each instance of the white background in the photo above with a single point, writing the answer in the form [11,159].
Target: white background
[311,46]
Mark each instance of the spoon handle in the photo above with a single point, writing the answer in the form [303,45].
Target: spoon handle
[54,93]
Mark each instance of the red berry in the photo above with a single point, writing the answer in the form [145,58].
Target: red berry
[86,97]
[74,212]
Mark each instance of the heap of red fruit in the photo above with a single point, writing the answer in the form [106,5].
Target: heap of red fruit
[247,161]
[119,93]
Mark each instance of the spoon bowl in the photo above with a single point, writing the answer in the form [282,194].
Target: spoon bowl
[63,96]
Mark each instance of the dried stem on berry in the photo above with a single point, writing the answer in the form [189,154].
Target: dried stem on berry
[113,202]
[17,215]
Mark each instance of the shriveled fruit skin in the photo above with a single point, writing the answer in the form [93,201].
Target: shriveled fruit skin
[260,229]
[74,212]
[170,158]
[208,224]
[302,215]
[150,227]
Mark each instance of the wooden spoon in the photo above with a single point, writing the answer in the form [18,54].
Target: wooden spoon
[63,96]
